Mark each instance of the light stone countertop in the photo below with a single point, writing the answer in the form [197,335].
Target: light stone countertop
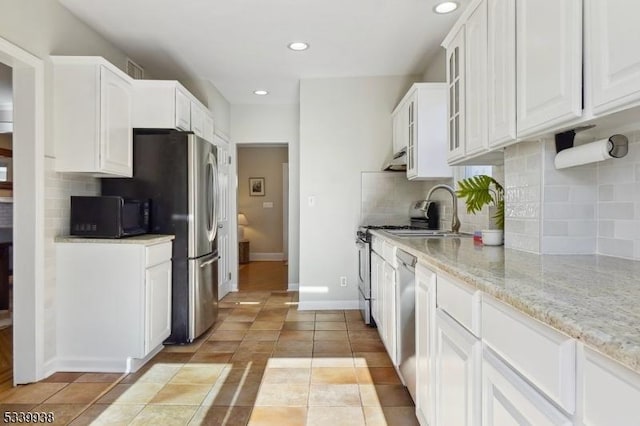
[595,299]
[145,239]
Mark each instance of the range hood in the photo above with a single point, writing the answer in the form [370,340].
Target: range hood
[398,163]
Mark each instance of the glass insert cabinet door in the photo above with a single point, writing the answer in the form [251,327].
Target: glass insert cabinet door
[455,81]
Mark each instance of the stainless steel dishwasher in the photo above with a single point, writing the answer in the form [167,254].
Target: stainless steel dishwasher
[405,305]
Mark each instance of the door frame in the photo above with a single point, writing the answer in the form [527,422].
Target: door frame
[28,212]
[285,209]
[233,207]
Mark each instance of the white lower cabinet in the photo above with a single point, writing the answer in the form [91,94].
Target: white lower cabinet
[376,298]
[389,311]
[383,294]
[157,322]
[507,399]
[480,361]
[457,354]
[608,393]
[425,321]
[113,303]
[546,357]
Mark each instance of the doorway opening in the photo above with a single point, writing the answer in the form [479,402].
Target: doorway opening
[262,206]
[6,226]
[28,230]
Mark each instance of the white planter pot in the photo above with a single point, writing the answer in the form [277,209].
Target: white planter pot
[492,237]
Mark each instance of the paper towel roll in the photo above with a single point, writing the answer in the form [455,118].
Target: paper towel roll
[613,147]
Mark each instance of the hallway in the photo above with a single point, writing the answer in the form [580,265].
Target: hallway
[263,276]
[263,363]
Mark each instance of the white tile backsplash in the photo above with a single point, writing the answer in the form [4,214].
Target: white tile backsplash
[58,188]
[522,182]
[593,208]
[386,197]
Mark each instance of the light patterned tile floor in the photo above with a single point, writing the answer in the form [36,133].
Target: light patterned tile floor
[263,363]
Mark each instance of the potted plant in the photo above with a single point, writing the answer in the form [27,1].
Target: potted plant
[479,191]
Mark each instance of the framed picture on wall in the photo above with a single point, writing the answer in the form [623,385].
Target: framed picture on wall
[256,186]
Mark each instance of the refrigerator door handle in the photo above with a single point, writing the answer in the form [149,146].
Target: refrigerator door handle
[216,197]
[209,262]
[216,190]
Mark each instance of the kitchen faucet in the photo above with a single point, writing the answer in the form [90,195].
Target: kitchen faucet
[455,222]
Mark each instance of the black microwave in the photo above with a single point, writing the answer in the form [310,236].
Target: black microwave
[108,217]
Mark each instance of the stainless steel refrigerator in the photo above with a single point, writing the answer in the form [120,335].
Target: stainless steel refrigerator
[178,172]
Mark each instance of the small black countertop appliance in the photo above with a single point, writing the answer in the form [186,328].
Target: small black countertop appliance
[424,214]
[108,216]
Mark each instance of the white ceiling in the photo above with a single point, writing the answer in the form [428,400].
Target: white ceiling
[241,45]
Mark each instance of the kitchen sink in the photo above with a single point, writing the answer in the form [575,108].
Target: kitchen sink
[423,233]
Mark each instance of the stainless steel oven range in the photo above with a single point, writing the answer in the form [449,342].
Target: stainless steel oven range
[363,243]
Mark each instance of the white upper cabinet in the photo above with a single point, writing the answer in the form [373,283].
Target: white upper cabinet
[399,123]
[182,109]
[612,34]
[456,98]
[476,81]
[549,64]
[420,121]
[468,96]
[197,119]
[410,133]
[501,72]
[92,102]
[209,129]
[161,104]
[166,104]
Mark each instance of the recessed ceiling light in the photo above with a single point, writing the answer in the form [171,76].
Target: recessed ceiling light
[445,7]
[298,46]
[260,92]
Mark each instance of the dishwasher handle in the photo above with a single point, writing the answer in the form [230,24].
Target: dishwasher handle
[406,259]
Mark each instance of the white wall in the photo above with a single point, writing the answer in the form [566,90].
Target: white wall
[436,71]
[43,28]
[345,128]
[268,124]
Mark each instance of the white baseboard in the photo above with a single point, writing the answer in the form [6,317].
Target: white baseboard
[266,257]
[328,305]
[293,287]
[92,365]
[134,364]
[224,289]
[50,367]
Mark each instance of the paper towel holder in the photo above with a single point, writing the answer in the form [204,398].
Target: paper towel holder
[564,140]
